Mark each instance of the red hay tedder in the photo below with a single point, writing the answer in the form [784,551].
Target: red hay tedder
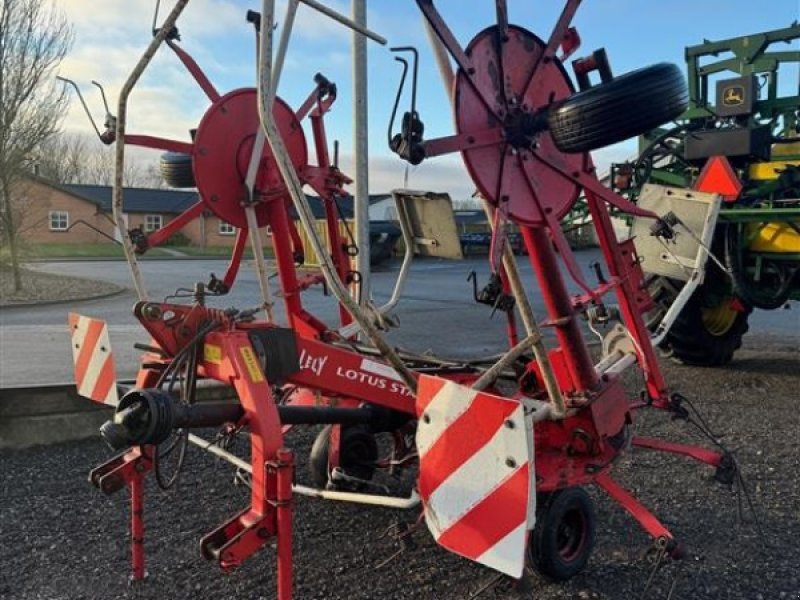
[503,446]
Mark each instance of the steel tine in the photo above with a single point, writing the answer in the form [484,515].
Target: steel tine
[103,94]
[83,102]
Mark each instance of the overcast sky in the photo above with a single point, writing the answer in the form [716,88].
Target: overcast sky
[111,35]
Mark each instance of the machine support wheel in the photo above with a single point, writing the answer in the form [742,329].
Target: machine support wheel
[563,537]
[176,170]
[620,109]
[708,330]
[358,452]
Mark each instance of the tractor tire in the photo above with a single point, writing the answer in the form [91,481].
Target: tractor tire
[706,333]
[176,170]
[358,451]
[618,110]
[563,537]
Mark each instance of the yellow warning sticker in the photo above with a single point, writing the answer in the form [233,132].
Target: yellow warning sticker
[212,353]
[251,362]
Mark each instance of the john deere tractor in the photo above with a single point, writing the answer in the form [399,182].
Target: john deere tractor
[739,137]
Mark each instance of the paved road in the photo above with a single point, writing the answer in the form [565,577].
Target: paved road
[437,313]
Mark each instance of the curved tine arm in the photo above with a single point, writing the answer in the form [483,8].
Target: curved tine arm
[102,95]
[414,72]
[119,164]
[83,102]
[400,87]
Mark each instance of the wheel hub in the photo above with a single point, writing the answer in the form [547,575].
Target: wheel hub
[571,535]
[719,319]
[222,148]
[521,129]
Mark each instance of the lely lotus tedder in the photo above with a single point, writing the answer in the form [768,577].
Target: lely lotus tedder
[504,446]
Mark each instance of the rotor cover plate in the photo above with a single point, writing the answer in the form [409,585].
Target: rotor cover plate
[222,148]
[509,174]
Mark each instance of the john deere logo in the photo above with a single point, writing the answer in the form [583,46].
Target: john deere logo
[733,96]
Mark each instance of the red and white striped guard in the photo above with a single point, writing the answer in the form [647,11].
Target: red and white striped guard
[94,363]
[477,478]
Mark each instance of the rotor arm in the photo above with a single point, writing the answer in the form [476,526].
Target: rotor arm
[449,41]
[159,143]
[194,70]
[236,259]
[560,32]
[158,237]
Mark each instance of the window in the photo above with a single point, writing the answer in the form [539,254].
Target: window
[153,222]
[59,220]
[226,228]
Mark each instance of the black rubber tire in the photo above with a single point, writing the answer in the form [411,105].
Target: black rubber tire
[563,538]
[618,110]
[689,341]
[176,170]
[357,448]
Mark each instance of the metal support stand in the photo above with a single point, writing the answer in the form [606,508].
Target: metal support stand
[128,470]
[283,469]
[136,485]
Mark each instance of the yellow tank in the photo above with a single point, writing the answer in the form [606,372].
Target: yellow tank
[766,171]
[779,238]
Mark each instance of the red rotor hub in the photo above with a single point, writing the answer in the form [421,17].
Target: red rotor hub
[222,148]
[508,174]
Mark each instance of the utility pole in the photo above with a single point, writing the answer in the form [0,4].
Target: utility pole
[361,149]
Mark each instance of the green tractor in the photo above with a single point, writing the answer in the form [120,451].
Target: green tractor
[739,137]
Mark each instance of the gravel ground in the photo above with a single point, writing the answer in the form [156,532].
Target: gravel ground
[62,539]
[40,287]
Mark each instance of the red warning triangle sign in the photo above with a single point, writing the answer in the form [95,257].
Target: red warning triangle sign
[718,177]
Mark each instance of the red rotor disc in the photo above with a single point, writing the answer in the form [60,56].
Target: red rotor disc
[505,174]
[222,148]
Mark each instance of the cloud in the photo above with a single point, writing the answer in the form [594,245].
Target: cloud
[94,20]
[167,102]
[109,42]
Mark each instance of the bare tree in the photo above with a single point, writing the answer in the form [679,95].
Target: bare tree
[34,38]
[62,158]
[100,168]
[75,158]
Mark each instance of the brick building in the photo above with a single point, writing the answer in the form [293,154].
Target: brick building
[81,214]
[50,213]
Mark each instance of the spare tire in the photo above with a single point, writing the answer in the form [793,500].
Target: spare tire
[618,110]
[176,170]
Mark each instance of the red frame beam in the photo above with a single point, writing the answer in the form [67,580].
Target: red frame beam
[644,517]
